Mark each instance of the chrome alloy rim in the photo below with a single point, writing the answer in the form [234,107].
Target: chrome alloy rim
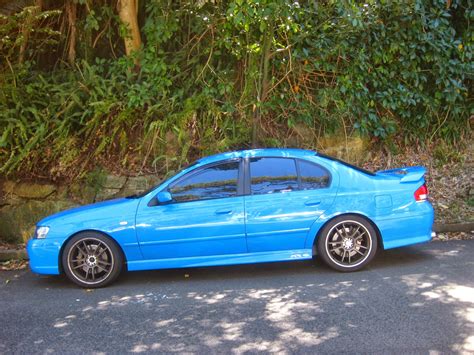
[90,261]
[348,244]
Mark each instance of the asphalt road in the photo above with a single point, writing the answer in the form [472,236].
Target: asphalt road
[418,299]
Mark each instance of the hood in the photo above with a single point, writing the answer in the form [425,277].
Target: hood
[95,209]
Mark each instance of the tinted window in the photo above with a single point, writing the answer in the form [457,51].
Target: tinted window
[313,176]
[270,175]
[217,181]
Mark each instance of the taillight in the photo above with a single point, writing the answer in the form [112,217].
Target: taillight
[421,194]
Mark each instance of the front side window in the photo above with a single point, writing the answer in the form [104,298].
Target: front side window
[270,175]
[217,181]
[313,176]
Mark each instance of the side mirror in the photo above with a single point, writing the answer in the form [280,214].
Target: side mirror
[164,197]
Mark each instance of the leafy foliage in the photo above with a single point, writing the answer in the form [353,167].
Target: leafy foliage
[211,74]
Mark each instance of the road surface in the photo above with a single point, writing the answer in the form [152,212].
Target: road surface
[418,299]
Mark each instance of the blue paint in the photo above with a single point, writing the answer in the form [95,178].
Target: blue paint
[246,227]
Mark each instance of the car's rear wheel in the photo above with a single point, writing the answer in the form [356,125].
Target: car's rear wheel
[92,260]
[347,243]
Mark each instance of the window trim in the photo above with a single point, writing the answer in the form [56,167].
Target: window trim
[247,179]
[198,170]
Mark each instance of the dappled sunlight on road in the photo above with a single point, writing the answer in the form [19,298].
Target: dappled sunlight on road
[405,301]
[286,310]
[300,316]
[463,298]
[460,297]
[279,309]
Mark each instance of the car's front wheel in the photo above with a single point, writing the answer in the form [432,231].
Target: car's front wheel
[92,260]
[347,243]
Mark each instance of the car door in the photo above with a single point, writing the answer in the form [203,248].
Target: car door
[285,197]
[205,216]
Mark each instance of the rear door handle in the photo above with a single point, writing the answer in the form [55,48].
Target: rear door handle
[223,211]
[312,203]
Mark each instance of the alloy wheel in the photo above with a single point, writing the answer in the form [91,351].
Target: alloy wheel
[90,261]
[348,243]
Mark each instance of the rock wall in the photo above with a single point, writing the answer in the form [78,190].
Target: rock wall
[22,204]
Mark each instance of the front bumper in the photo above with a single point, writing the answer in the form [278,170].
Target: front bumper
[44,256]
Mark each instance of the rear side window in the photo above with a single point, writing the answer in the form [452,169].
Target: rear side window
[271,175]
[217,181]
[313,176]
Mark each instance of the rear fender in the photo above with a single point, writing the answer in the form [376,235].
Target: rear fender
[317,226]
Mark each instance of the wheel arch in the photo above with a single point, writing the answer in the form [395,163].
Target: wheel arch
[371,222]
[61,250]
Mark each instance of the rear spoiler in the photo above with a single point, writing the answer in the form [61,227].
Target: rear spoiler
[408,174]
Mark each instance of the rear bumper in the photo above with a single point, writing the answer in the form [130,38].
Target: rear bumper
[412,228]
[44,256]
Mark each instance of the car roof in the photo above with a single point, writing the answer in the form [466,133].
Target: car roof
[265,152]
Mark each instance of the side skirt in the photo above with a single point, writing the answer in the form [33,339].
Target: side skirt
[219,260]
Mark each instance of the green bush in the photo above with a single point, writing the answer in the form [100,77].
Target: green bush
[219,75]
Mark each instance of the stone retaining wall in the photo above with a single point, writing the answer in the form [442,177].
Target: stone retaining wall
[22,204]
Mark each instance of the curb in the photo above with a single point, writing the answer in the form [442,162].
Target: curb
[453,227]
[10,254]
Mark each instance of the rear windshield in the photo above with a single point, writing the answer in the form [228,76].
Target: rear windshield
[367,172]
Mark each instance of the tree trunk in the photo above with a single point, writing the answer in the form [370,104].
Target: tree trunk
[128,15]
[71,10]
[262,90]
[26,29]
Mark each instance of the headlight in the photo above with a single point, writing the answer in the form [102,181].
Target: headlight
[41,232]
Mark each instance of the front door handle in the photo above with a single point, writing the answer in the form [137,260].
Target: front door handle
[312,203]
[224,211]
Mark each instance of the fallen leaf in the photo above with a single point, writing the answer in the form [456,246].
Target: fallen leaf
[13,265]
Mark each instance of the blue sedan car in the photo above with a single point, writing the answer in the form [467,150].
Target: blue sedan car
[240,207]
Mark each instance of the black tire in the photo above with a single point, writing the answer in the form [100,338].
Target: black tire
[347,243]
[92,260]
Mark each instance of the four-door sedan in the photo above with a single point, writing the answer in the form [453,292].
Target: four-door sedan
[241,207]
